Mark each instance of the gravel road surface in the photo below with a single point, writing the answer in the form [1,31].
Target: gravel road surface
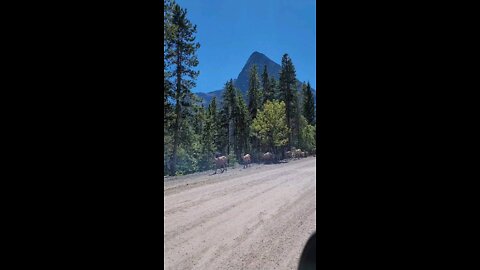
[254,218]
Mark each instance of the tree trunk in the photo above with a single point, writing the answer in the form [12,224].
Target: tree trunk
[173,163]
[177,111]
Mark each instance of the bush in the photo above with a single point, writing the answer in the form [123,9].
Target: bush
[270,126]
[232,160]
[186,162]
[307,135]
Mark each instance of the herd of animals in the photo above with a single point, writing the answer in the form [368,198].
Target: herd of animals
[221,162]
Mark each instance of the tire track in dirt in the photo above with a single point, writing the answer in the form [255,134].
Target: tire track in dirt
[228,188]
[266,241]
[189,182]
[251,220]
[208,217]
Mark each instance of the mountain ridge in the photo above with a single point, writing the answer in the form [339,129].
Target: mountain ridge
[242,81]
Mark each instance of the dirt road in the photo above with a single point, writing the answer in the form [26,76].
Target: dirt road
[254,218]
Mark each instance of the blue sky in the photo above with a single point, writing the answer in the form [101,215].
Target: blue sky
[229,31]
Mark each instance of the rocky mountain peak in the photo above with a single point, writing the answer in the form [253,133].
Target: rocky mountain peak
[241,82]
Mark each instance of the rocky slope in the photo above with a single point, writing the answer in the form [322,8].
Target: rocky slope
[241,82]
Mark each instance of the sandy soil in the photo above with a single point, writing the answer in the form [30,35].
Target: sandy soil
[254,218]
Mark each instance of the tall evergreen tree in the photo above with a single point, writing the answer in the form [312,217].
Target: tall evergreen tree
[167,106]
[199,118]
[268,91]
[167,85]
[241,119]
[168,30]
[216,124]
[180,55]
[208,135]
[254,104]
[274,88]
[287,89]
[254,94]
[222,137]
[297,113]
[308,104]
[229,103]
[212,107]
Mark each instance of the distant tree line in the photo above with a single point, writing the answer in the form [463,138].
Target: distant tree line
[274,118]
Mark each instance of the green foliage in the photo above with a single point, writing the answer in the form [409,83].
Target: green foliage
[268,88]
[229,97]
[179,62]
[222,130]
[168,93]
[270,126]
[187,161]
[241,118]
[228,117]
[308,104]
[255,101]
[287,81]
[268,122]
[214,117]
[232,160]
[206,140]
[274,89]
[307,135]
[233,122]
[288,94]
[254,93]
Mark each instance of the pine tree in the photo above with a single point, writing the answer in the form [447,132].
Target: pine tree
[208,136]
[274,88]
[212,107]
[216,124]
[229,103]
[241,118]
[167,85]
[297,113]
[180,54]
[168,34]
[254,102]
[268,91]
[222,131]
[308,104]
[287,91]
[254,97]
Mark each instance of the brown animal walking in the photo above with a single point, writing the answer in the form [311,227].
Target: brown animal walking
[268,157]
[297,154]
[246,160]
[221,162]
